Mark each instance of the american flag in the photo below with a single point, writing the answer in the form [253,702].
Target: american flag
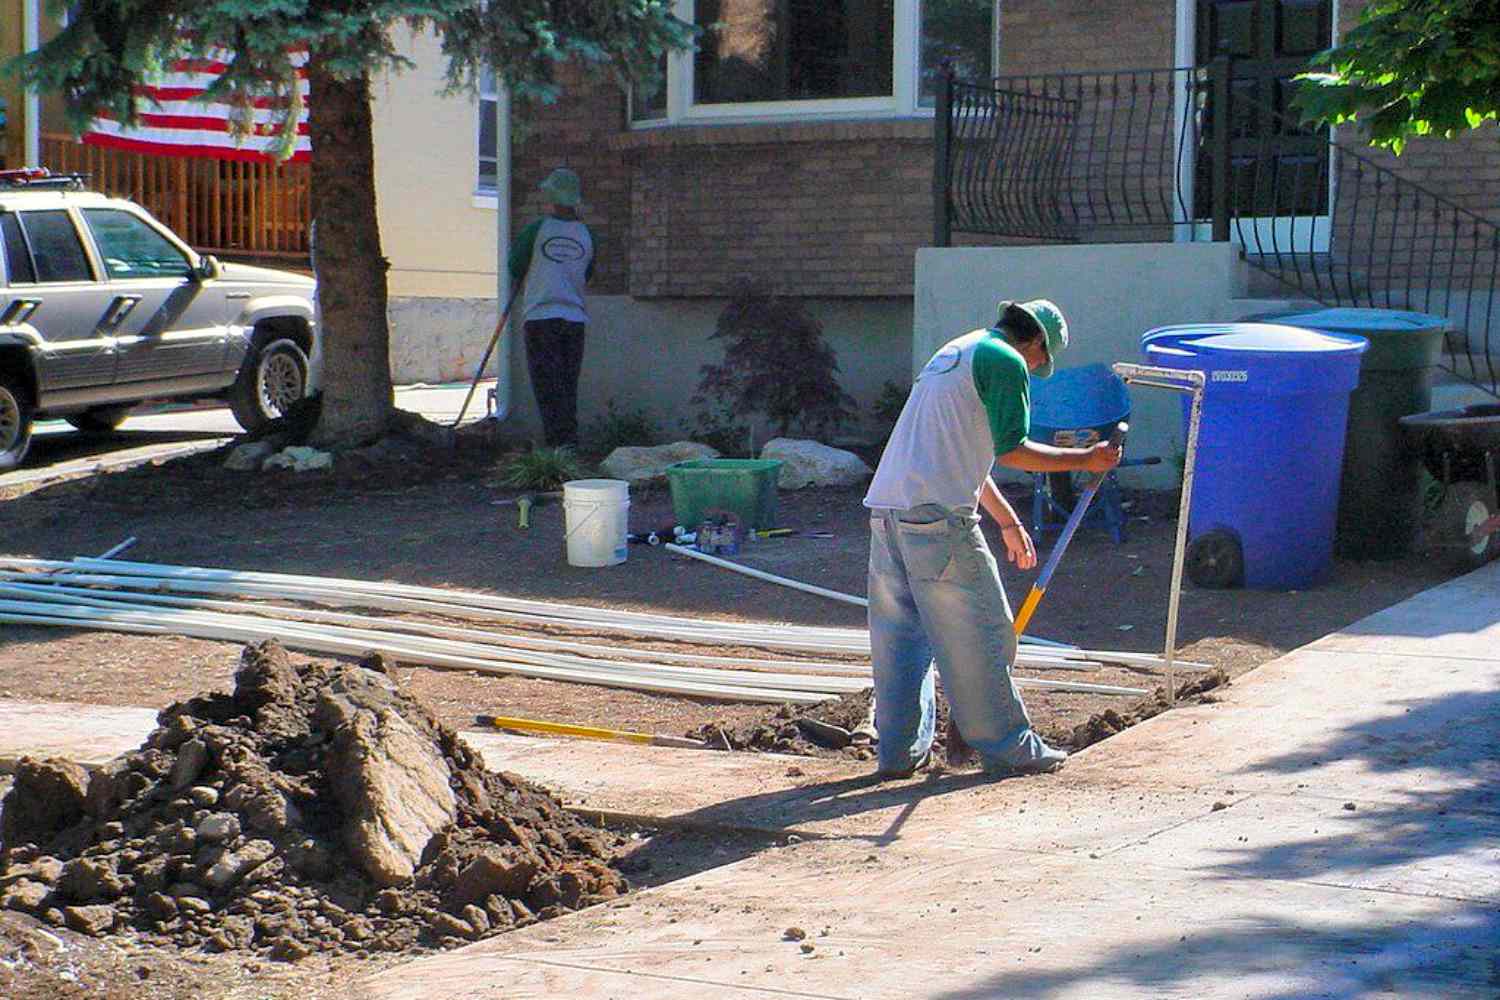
[175,122]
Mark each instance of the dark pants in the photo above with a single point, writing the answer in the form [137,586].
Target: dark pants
[554,355]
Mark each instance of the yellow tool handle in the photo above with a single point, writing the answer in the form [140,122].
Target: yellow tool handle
[1028,608]
[585,732]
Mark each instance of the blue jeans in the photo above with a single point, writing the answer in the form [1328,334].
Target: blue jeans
[936,598]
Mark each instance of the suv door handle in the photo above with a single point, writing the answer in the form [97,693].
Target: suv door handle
[237,295]
[119,308]
[19,311]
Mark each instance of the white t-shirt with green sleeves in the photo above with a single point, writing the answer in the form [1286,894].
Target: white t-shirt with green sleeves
[970,404]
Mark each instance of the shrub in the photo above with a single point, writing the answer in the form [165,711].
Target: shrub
[776,363]
[543,469]
[618,428]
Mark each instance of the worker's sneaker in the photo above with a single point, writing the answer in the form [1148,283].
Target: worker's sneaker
[1045,759]
[893,774]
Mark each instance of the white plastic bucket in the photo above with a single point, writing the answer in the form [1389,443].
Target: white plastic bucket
[596,517]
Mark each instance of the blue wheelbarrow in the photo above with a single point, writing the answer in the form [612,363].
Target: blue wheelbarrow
[1077,408]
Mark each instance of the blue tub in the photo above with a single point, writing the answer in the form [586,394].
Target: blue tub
[1271,442]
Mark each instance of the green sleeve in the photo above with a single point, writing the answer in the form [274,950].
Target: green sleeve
[1004,387]
[520,250]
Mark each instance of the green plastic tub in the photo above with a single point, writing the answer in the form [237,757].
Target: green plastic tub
[744,486]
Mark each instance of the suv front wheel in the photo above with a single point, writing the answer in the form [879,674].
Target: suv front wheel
[15,421]
[272,379]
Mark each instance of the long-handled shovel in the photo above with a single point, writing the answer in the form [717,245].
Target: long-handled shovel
[495,339]
[1028,608]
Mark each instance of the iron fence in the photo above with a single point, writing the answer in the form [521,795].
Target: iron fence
[1163,154]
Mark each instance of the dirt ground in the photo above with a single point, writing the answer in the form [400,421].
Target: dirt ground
[436,523]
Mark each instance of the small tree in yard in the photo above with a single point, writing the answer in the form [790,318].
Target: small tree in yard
[1411,68]
[109,47]
[776,362]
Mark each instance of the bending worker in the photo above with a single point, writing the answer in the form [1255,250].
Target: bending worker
[935,591]
[554,256]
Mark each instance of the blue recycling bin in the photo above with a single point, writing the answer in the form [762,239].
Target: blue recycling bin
[1270,447]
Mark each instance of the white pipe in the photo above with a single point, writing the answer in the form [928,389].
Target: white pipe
[768,577]
[17,612]
[32,38]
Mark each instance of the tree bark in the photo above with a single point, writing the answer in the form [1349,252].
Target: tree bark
[358,399]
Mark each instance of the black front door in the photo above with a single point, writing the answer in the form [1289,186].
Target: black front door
[1278,168]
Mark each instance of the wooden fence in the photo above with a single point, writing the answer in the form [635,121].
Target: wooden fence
[222,207]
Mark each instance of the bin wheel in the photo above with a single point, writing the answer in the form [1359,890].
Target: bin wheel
[1465,507]
[1215,560]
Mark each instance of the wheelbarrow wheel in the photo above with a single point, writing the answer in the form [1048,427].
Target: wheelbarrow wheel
[1465,507]
[1215,560]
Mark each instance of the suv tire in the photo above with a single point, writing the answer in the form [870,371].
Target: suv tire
[272,379]
[100,419]
[15,421]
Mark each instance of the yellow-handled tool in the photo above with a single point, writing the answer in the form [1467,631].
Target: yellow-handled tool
[587,732]
[1028,607]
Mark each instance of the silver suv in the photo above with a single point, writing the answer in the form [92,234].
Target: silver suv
[102,307]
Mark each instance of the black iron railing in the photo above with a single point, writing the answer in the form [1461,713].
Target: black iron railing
[1147,155]
[1060,157]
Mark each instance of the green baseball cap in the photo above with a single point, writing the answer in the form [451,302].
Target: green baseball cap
[563,187]
[1024,317]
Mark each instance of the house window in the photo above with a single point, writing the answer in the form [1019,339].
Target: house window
[488,157]
[774,59]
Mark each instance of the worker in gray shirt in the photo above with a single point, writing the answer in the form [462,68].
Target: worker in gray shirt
[554,256]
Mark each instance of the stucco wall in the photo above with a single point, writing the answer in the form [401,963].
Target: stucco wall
[1110,294]
[644,354]
[438,241]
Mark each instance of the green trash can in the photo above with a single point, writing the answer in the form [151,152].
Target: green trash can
[1380,491]
[744,486]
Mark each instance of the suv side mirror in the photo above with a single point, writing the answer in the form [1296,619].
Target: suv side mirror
[208,268]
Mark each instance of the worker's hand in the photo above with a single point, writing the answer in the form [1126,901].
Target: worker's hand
[1018,546]
[1101,457]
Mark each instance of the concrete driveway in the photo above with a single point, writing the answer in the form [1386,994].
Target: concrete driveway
[155,432]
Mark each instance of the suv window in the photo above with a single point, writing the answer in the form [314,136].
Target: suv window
[17,257]
[131,248]
[56,251]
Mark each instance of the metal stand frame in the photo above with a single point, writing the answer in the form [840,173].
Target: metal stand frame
[1191,383]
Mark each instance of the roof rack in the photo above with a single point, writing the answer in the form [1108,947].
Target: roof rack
[41,177]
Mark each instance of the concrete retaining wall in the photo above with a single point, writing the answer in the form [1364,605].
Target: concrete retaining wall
[646,354]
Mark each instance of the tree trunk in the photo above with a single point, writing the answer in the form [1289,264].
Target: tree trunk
[358,399]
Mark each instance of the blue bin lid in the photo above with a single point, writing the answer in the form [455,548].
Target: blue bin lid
[1264,357]
[1360,321]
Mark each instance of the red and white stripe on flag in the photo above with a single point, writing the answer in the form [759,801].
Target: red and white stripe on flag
[173,121]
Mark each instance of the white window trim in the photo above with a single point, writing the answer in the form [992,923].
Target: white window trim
[903,103]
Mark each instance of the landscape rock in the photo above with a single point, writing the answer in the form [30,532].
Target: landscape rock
[299,458]
[24,894]
[808,463]
[640,464]
[250,456]
[393,786]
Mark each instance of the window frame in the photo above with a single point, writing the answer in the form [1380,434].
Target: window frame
[904,101]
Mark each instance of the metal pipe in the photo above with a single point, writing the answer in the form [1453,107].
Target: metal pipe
[31,31]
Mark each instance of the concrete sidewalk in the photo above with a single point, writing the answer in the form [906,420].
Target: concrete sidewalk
[1331,828]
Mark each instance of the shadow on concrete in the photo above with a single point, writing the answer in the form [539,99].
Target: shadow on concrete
[1441,939]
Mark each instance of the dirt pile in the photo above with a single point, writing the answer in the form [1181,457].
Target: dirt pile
[317,808]
[1109,722]
[826,729]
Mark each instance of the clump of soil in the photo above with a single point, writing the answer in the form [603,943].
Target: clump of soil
[786,729]
[1109,722]
[317,808]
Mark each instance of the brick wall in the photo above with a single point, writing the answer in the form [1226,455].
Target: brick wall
[1085,36]
[809,209]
